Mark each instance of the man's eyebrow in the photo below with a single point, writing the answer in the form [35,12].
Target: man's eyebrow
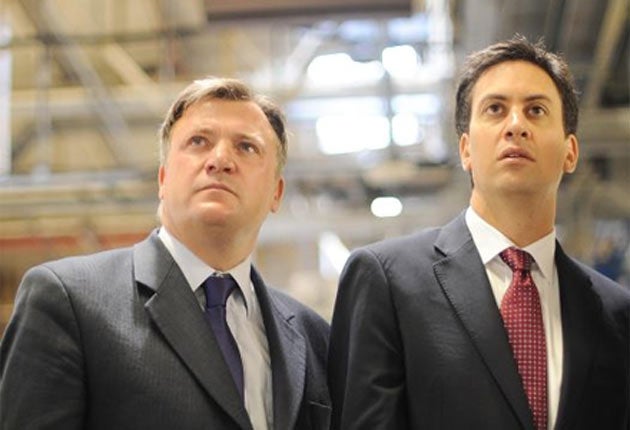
[254,135]
[535,97]
[206,131]
[532,97]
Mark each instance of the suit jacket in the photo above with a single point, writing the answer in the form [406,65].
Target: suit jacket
[417,342]
[117,340]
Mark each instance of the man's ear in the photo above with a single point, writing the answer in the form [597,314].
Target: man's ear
[573,154]
[464,152]
[277,195]
[161,175]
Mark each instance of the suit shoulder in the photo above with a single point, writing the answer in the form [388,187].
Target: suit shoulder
[418,239]
[83,267]
[304,314]
[418,246]
[609,290]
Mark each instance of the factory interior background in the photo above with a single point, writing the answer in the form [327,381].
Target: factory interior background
[367,86]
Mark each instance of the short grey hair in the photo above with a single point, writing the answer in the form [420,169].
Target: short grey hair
[223,89]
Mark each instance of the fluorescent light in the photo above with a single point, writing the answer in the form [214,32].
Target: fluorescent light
[352,133]
[405,129]
[400,61]
[341,69]
[386,207]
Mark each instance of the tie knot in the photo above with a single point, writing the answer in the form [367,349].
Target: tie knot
[218,289]
[517,259]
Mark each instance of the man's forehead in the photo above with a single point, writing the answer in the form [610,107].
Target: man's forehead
[504,81]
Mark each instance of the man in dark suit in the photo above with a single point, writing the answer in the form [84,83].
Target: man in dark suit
[456,327]
[132,339]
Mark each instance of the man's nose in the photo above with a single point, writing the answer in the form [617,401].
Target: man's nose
[517,126]
[220,158]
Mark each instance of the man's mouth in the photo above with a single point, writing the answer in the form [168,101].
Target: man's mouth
[216,187]
[513,153]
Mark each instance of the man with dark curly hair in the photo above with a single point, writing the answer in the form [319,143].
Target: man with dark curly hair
[486,323]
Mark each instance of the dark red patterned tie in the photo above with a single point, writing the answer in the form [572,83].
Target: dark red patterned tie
[522,317]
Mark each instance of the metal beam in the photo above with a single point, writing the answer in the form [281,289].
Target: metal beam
[5,96]
[243,9]
[126,67]
[47,19]
[609,36]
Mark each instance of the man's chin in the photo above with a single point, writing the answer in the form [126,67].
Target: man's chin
[215,214]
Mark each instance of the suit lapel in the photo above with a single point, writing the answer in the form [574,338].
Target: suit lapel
[462,276]
[175,311]
[287,350]
[581,316]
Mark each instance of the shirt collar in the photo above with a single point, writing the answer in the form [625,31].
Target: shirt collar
[196,271]
[490,242]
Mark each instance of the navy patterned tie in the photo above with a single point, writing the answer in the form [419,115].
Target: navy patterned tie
[522,317]
[217,290]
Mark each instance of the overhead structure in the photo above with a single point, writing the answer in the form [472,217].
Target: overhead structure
[89,82]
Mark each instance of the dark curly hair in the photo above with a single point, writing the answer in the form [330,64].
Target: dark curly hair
[516,49]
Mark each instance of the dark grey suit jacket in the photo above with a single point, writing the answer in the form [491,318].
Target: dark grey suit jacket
[117,340]
[417,342]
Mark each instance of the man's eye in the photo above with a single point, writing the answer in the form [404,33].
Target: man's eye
[197,141]
[248,147]
[537,110]
[494,108]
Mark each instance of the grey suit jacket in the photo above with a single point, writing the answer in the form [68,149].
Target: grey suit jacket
[117,340]
[417,342]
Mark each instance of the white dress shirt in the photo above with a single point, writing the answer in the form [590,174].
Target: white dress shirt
[245,322]
[490,242]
